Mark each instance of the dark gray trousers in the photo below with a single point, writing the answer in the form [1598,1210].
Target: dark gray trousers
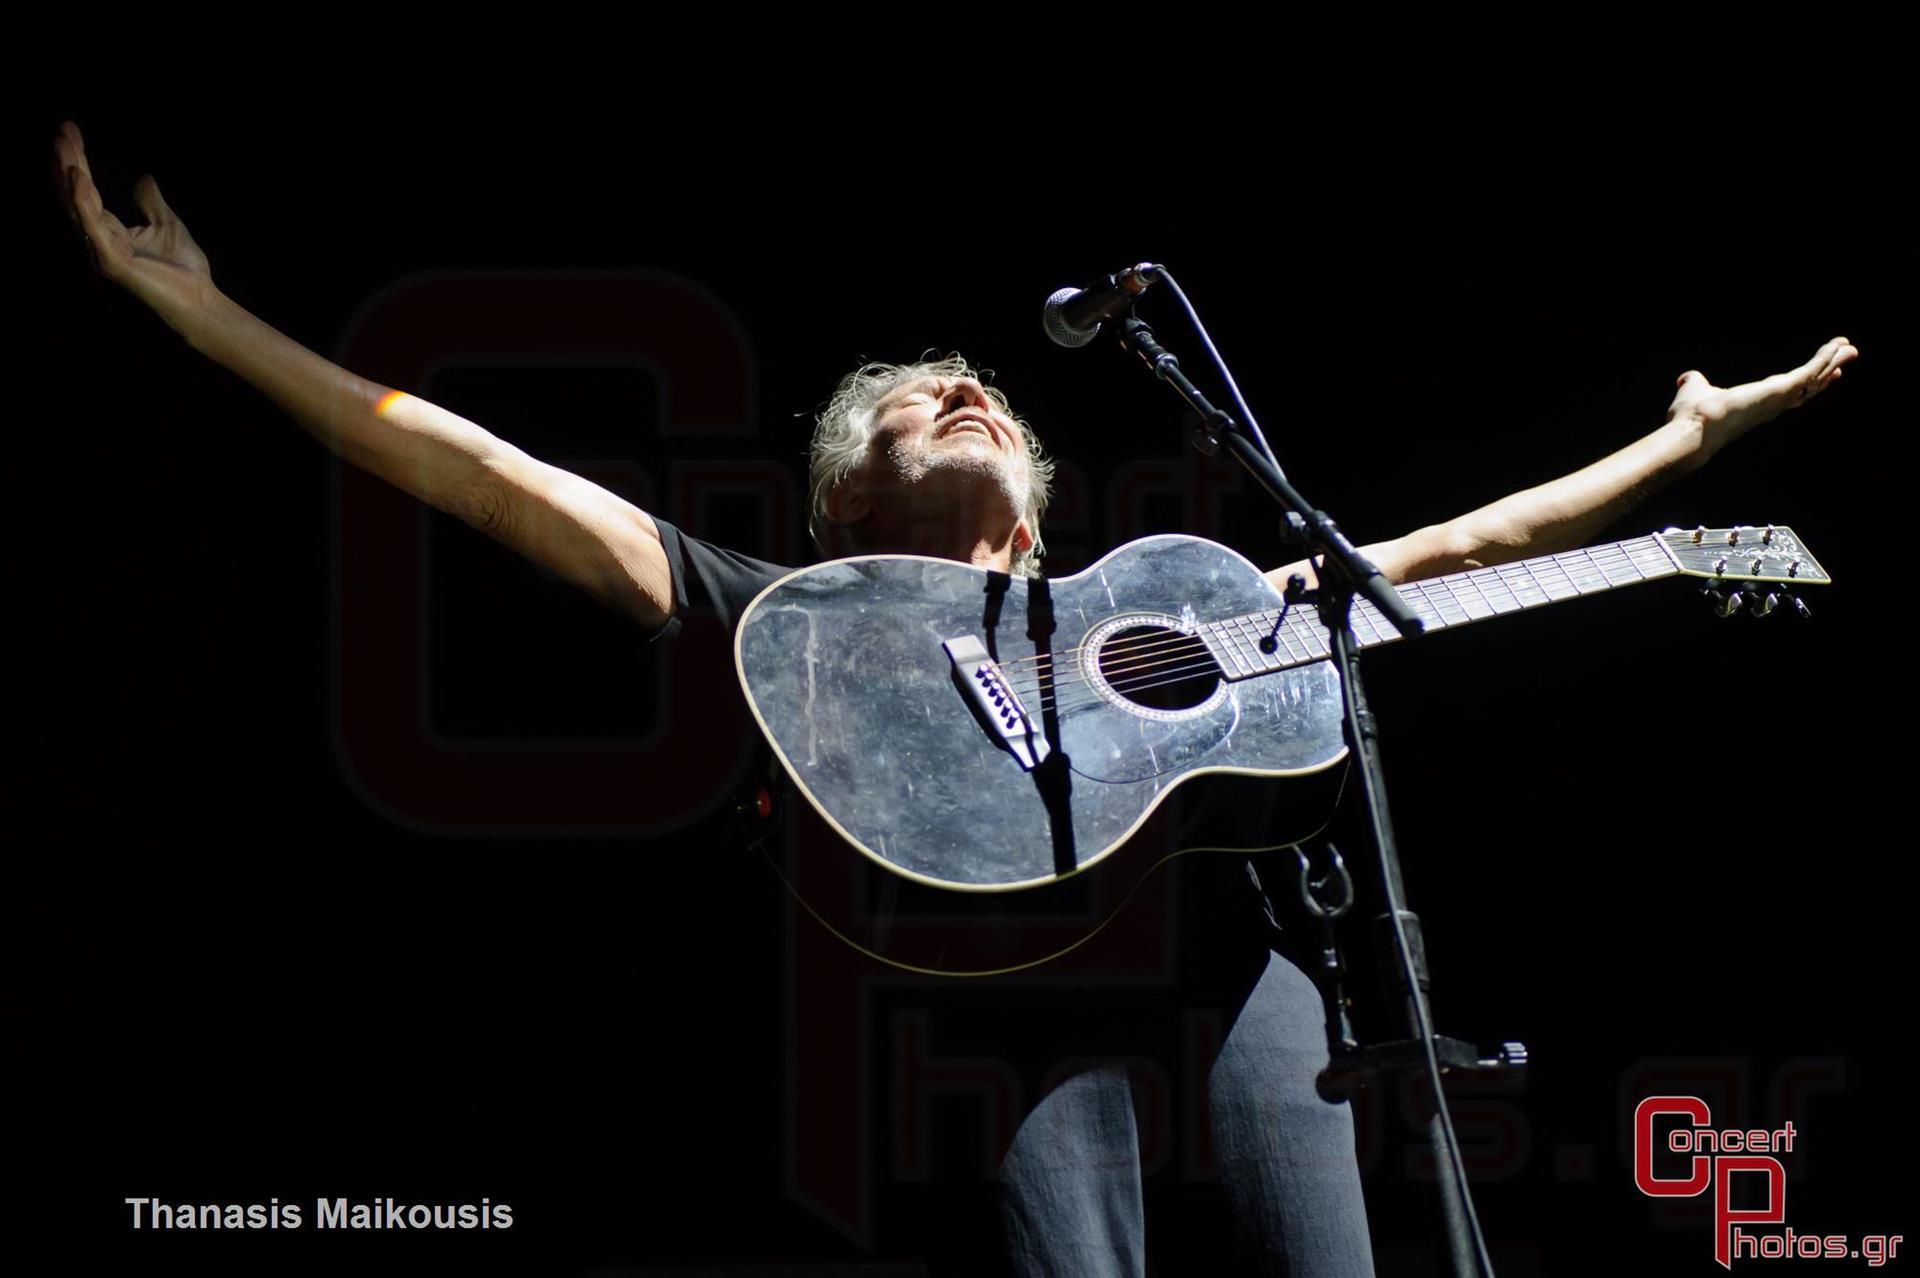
[1278,1160]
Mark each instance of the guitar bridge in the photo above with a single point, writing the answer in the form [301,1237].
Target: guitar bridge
[994,699]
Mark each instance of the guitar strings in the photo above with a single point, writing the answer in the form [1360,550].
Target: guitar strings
[1296,627]
[1156,635]
[1138,683]
[1133,665]
[1300,626]
[1307,631]
[1175,647]
[1137,679]
[1185,653]
[1140,662]
[1067,707]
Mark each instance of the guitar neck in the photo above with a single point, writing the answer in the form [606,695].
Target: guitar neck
[1461,597]
[1442,602]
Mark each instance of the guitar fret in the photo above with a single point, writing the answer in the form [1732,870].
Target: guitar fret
[1490,576]
[1466,578]
[1246,644]
[1237,635]
[1449,599]
[1478,606]
[1369,627]
[1650,560]
[1614,567]
[1261,658]
[1234,662]
[1454,599]
[1533,581]
[1366,623]
[1298,656]
[1444,604]
[1587,578]
[1564,587]
[1560,578]
[1422,606]
[1464,603]
[1416,599]
[1482,579]
[1215,635]
[1520,584]
[1280,657]
[1238,643]
[1622,555]
[1379,629]
[1242,650]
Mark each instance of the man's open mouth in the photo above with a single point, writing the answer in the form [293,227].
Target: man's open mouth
[968,423]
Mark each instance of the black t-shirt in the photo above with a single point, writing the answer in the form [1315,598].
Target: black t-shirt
[1223,887]
[710,576]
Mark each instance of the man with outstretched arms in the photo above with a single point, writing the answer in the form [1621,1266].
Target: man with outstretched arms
[924,458]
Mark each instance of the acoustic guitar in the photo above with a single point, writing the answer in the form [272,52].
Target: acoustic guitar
[967,734]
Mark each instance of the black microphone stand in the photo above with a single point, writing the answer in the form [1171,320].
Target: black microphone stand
[1343,572]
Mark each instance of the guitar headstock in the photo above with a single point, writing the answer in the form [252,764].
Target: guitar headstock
[1759,567]
[1743,553]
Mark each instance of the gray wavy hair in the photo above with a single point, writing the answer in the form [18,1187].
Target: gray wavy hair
[843,428]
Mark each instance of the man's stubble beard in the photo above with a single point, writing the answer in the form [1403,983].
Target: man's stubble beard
[919,468]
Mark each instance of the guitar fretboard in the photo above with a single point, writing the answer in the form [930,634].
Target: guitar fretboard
[1237,642]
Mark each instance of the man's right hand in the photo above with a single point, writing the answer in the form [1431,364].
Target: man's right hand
[593,538]
[158,263]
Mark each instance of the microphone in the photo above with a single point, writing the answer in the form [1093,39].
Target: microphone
[1073,315]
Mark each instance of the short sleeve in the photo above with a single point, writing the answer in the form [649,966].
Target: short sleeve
[710,576]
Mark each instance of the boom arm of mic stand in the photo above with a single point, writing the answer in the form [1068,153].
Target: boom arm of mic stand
[1320,532]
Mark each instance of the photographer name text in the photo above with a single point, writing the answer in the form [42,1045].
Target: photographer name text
[156,1214]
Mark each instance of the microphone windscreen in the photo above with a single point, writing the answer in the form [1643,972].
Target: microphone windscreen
[1062,330]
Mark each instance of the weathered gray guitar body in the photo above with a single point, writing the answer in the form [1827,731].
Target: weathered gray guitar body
[847,668]
[966,730]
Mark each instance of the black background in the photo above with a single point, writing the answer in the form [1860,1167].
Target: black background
[1637,833]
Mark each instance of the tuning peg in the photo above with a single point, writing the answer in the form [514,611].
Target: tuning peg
[1760,605]
[1725,602]
[1800,606]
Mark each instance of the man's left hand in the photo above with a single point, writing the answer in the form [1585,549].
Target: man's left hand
[1726,414]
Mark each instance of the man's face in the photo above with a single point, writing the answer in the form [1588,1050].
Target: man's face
[940,440]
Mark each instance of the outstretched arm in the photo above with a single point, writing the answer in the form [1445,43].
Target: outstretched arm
[1566,512]
[588,535]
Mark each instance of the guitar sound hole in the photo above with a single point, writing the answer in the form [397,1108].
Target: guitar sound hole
[1158,668]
